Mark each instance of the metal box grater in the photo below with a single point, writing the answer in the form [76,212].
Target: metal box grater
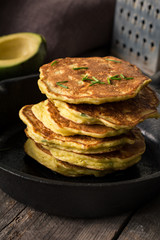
[136,33]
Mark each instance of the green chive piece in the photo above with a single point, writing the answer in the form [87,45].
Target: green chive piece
[95,79]
[54,63]
[113,60]
[83,115]
[122,75]
[78,68]
[116,78]
[93,82]
[98,81]
[61,85]
[128,78]
[108,80]
[85,78]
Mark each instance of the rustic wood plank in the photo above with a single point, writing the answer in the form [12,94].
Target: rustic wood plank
[26,223]
[9,209]
[145,224]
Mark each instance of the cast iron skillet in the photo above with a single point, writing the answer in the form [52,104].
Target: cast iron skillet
[30,183]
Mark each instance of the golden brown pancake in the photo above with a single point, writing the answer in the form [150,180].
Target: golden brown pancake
[47,113]
[123,114]
[74,164]
[80,144]
[44,157]
[128,155]
[109,79]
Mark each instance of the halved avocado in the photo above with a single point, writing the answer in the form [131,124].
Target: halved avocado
[21,54]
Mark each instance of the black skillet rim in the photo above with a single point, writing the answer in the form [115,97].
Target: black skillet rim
[27,176]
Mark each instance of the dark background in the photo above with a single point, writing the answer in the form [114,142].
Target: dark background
[70,27]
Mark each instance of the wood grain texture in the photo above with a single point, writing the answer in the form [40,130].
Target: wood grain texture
[145,224]
[18,221]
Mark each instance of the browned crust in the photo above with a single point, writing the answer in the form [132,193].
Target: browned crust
[65,123]
[48,135]
[126,113]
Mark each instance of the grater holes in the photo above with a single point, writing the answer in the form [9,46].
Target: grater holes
[137,36]
[152,45]
[149,7]
[124,45]
[144,40]
[128,14]
[131,49]
[138,54]
[150,26]
[157,11]
[145,58]
[135,18]
[134,2]
[117,41]
[129,32]
[122,28]
[141,4]
[121,10]
[143,22]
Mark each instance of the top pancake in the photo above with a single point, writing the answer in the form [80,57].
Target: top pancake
[63,80]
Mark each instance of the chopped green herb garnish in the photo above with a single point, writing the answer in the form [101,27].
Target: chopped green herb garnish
[54,63]
[78,68]
[117,77]
[94,80]
[113,60]
[61,85]
[85,78]
[128,78]
[108,80]
[83,115]
[97,80]
[122,75]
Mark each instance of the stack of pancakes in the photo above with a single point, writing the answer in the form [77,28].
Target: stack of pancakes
[87,124]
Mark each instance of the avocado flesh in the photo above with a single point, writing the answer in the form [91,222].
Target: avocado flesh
[21,54]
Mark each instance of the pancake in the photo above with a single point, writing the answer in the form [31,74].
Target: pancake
[44,157]
[74,164]
[123,114]
[47,113]
[93,80]
[79,144]
[127,156]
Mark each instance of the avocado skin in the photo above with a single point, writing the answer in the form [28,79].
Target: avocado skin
[28,66]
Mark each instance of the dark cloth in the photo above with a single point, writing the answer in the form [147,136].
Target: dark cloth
[70,27]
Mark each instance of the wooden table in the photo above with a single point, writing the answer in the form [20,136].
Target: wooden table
[18,221]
